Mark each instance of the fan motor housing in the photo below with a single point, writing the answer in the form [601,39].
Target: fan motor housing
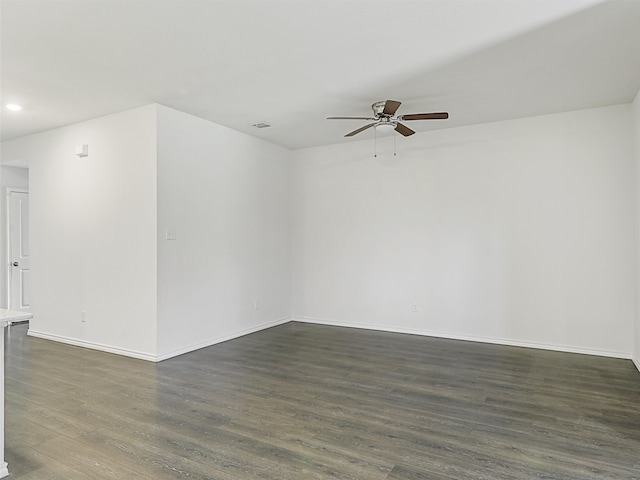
[378,107]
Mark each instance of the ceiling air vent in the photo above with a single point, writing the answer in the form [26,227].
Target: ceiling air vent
[261,125]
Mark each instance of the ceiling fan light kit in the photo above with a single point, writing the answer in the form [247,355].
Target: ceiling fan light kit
[385,127]
[385,119]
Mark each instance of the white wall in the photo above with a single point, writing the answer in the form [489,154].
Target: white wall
[16,178]
[515,232]
[98,228]
[93,231]
[636,137]
[227,195]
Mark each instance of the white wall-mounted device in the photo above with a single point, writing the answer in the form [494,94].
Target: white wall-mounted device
[82,150]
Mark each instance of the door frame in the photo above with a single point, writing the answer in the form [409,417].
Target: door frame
[9,278]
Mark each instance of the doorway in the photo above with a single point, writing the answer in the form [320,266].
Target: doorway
[18,282]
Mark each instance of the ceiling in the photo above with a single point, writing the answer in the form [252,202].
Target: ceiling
[292,63]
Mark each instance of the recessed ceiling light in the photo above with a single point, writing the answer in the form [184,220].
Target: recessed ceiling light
[14,107]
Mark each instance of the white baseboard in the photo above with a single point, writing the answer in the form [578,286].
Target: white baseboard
[220,339]
[468,338]
[92,345]
[150,357]
[324,321]
[4,470]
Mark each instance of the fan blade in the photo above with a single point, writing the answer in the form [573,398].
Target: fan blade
[390,107]
[361,129]
[404,130]
[425,116]
[350,118]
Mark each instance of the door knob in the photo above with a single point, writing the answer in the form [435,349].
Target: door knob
[16,264]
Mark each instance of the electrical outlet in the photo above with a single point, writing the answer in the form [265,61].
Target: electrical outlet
[256,305]
[414,308]
[83,316]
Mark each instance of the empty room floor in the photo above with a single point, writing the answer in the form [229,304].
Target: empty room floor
[303,401]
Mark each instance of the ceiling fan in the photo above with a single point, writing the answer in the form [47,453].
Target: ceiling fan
[384,115]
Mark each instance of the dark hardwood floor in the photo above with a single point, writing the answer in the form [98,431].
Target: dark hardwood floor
[315,402]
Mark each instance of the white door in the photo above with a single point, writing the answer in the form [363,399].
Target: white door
[18,219]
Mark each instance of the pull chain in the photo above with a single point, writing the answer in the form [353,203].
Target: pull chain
[375,142]
[394,144]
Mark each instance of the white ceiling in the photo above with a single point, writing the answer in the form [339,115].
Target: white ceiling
[292,63]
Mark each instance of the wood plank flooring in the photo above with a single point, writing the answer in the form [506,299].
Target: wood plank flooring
[305,401]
